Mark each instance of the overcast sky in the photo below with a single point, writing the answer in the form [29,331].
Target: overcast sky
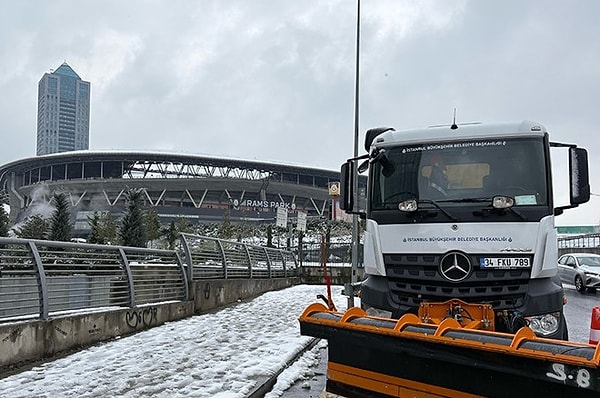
[273,80]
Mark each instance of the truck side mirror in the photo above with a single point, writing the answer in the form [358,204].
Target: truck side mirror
[346,187]
[579,176]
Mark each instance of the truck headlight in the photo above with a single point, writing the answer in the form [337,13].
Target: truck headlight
[544,324]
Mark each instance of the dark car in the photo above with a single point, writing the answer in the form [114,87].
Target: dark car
[581,270]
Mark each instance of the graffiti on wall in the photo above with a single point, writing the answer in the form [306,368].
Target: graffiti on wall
[144,317]
[13,335]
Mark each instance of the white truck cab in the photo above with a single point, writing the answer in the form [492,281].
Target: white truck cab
[464,212]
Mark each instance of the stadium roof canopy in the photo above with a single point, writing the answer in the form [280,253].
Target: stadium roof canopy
[135,164]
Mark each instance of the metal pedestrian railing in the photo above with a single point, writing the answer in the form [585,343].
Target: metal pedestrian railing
[40,278]
[218,258]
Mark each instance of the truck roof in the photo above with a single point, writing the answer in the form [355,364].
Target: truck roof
[462,132]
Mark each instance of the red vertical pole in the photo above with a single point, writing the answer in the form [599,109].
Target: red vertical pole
[330,304]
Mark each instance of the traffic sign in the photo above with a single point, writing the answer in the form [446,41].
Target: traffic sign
[282,217]
[301,226]
[334,189]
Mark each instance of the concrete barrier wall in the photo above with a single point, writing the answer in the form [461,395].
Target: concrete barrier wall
[28,341]
[212,294]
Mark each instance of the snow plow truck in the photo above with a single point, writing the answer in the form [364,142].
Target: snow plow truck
[461,295]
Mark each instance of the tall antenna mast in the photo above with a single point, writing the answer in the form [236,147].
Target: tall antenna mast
[454,126]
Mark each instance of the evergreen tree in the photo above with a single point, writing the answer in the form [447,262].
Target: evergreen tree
[226,230]
[108,228]
[152,223]
[61,228]
[103,229]
[269,236]
[183,225]
[94,222]
[172,232]
[35,227]
[4,221]
[100,226]
[132,231]
[171,235]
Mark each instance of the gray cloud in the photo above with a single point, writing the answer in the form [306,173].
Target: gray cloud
[274,80]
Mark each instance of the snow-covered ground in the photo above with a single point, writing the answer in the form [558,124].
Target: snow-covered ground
[225,354]
[221,354]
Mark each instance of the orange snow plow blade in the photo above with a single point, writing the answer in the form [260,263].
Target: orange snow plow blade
[379,357]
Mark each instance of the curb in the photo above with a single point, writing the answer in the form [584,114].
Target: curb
[267,385]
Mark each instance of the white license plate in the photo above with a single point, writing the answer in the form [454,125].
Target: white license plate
[504,262]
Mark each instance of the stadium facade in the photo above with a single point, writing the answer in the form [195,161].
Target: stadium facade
[200,189]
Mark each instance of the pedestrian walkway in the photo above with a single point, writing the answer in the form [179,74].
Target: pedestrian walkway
[222,354]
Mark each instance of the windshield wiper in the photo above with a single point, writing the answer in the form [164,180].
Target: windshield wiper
[518,213]
[481,213]
[489,209]
[411,206]
[435,203]
[466,200]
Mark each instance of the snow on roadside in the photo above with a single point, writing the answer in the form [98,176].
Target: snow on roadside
[222,354]
[300,370]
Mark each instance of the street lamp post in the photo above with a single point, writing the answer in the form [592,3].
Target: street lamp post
[355,234]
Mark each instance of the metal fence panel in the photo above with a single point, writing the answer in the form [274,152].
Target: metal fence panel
[157,275]
[259,262]
[19,285]
[40,278]
[217,258]
[237,262]
[205,257]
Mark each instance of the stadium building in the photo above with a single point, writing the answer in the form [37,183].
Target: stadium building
[200,189]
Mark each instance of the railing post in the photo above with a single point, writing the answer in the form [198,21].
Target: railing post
[296,265]
[188,257]
[249,260]
[125,263]
[284,264]
[268,261]
[220,246]
[186,283]
[41,275]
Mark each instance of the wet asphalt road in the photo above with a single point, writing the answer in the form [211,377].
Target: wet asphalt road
[579,313]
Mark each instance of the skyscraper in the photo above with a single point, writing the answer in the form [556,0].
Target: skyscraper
[63,112]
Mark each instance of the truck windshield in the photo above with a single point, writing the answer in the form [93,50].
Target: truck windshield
[454,172]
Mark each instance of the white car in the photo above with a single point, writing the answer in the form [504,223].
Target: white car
[581,270]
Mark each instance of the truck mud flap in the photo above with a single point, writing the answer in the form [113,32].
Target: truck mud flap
[371,357]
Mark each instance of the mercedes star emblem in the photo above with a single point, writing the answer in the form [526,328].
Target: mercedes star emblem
[455,266]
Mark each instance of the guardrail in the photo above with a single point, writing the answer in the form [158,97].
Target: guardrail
[40,278]
[579,241]
[216,258]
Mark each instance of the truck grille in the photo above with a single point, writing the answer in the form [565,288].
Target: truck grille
[416,278]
